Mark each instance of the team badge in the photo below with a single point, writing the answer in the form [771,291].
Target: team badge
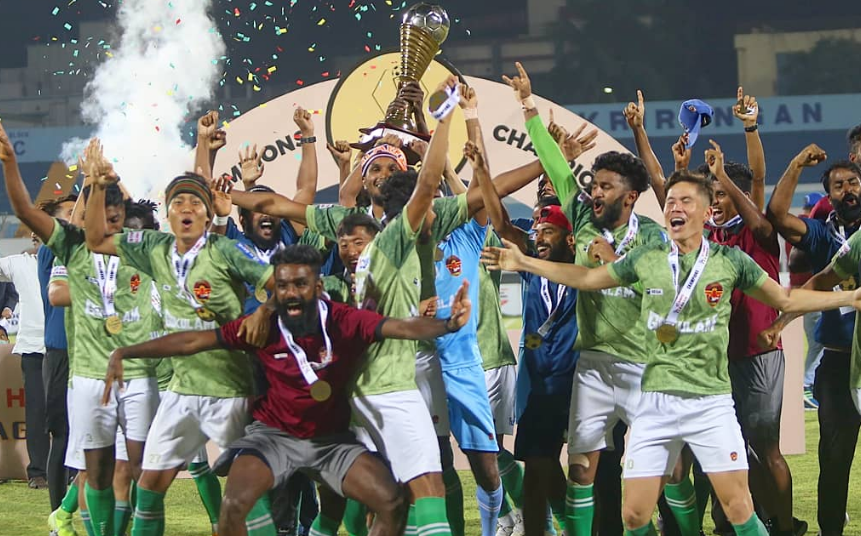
[733,455]
[202,290]
[713,291]
[454,265]
[135,283]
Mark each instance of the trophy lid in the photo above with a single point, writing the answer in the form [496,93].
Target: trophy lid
[431,17]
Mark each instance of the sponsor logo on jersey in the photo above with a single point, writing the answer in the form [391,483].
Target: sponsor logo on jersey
[713,291]
[172,322]
[134,237]
[706,325]
[202,290]
[135,283]
[619,292]
[246,251]
[454,265]
[655,291]
[93,309]
[132,316]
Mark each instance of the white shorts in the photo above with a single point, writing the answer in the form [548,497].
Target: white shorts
[401,427]
[184,423]
[363,437]
[665,423]
[132,408]
[122,452]
[74,452]
[500,391]
[605,391]
[432,387]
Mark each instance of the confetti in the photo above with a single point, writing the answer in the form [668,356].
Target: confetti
[67,26]
[56,10]
[321,22]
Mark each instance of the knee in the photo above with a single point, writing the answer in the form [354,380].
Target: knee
[235,508]
[393,505]
[580,470]
[738,508]
[635,516]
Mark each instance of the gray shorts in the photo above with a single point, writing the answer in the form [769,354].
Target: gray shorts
[324,459]
[757,388]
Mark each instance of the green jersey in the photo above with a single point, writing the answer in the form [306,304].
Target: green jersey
[388,281]
[845,264]
[324,220]
[493,341]
[86,272]
[215,281]
[338,288]
[59,274]
[696,363]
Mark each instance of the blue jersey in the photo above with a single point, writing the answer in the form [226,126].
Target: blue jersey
[548,359]
[461,251]
[821,242]
[55,324]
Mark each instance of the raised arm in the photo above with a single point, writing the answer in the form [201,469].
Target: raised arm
[750,213]
[342,154]
[272,204]
[635,114]
[571,275]
[39,222]
[791,227]
[94,215]
[306,179]
[210,139]
[747,110]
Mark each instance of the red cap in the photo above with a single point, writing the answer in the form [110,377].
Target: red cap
[821,209]
[553,215]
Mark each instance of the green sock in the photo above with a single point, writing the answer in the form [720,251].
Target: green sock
[702,489]
[646,530]
[149,514]
[430,517]
[100,504]
[412,529]
[511,474]
[579,509]
[209,489]
[355,518]
[453,501]
[751,527]
[558,509]
[88,525]
[259,520]
[323,526]
[683,502]
[70,500]
[122,516]
[505,507]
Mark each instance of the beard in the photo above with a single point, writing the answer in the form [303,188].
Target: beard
[610,215]
[302,324]
[847,213]
[265,243]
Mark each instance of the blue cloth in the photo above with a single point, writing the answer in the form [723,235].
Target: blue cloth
[461,251]
[55,324]
[549,368]
[821,243]
[469,414]
[489,504]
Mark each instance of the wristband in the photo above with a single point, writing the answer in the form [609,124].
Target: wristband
[470,113]
[309,139]
[220,221]
[751,128]
[528,103]
[442,102]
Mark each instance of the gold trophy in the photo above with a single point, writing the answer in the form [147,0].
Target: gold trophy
[423,30]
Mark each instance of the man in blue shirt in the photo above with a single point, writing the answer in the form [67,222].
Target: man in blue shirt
[839,421]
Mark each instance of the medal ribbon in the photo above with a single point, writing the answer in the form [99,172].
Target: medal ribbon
[837,230]
[106,275]
[306,367]
[182,265]
[735,220]
[548,304]
[683,294]
[633,227]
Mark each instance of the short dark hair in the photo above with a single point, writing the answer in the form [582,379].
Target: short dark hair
[113,195]
[550,200]
[627,165]
[840,164]
[853,138]
[245,213]
[298,254]
[704,184]
[145,210]
[348,225]
[397,190]
[52,206]
[738,173]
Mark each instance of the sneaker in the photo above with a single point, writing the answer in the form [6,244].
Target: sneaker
[799,527]
[810,403]
[505,524]
[60,522]
[38,482]
[518,529]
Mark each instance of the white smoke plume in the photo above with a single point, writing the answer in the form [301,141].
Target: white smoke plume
[165,67]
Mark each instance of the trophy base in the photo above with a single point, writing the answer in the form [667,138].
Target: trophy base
[372,134]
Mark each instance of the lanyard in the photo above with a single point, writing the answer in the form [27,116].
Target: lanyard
[106,275]
[548,304]
[735,220]
[182,265]
[633,227]
[683,294]
[306,367]
[837,230]
[266,254]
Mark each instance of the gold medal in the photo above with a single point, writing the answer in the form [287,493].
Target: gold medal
[205,314]
[533,341]
[261,295]
[667,333]
[321,390]
[114,325]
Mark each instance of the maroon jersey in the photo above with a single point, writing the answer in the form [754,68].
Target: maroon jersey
[288,404]
[749,316]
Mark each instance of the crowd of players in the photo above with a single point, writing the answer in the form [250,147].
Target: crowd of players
[346,343]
